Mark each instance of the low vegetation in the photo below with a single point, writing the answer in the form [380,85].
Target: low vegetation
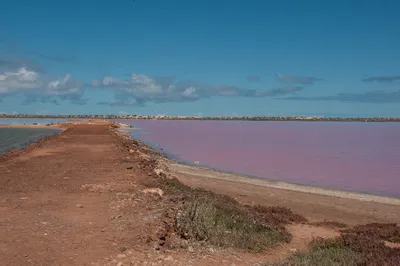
[331,224]
[323,254]
[361,245]
[275,216]
[376,231]
[220,221]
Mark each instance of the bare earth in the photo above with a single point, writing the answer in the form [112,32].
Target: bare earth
[77,199]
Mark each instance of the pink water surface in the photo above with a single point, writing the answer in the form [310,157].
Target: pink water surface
[362,157]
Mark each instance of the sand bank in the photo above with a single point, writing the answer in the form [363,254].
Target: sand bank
[209,173]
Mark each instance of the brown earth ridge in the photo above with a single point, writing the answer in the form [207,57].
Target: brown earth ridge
[91,195]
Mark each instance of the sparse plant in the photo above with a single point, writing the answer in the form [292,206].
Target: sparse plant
[220,221]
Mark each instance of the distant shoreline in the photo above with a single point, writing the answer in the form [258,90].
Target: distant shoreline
[219,118]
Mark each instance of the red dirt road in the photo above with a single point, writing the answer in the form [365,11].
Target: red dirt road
[53,209]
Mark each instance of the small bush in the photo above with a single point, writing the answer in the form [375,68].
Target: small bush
[220,223]
[173,186]
[277,216]
[327,256]
[348,249]
[389,232]
[220,220]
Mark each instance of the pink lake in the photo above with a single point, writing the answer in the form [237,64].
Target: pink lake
[361,157]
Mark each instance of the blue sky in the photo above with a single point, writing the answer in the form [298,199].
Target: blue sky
[182,57]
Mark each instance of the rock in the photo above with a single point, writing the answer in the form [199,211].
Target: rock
[121,256]
[129,167]
[79,206]
[293,250]
[190,249]
[161,234]
[158,171]
[157,191]
[120,264]
[184,244]
[131,151]
[169,258]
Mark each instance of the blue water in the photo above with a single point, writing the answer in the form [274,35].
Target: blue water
[22,121]
[18,138]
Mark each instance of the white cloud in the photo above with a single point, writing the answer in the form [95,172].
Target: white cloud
[107,81]
[63,86]
[297,79]
[145,84]
[190,92]
[36,85]
[19,80]
[140,88]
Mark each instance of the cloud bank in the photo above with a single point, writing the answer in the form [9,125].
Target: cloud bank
[23,77]
[297,79]
[253,78]
[382,79]
[141,88]
[378,96]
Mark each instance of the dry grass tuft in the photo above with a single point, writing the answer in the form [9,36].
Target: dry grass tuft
[220,221]
[377,231]
[361,245]
[276,216]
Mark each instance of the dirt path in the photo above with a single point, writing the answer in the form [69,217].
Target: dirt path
[77,199]
[46,218]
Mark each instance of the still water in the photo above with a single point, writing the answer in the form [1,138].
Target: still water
[361,157]
[17,138]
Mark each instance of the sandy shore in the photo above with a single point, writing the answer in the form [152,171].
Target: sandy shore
[316,204]
[209,173]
